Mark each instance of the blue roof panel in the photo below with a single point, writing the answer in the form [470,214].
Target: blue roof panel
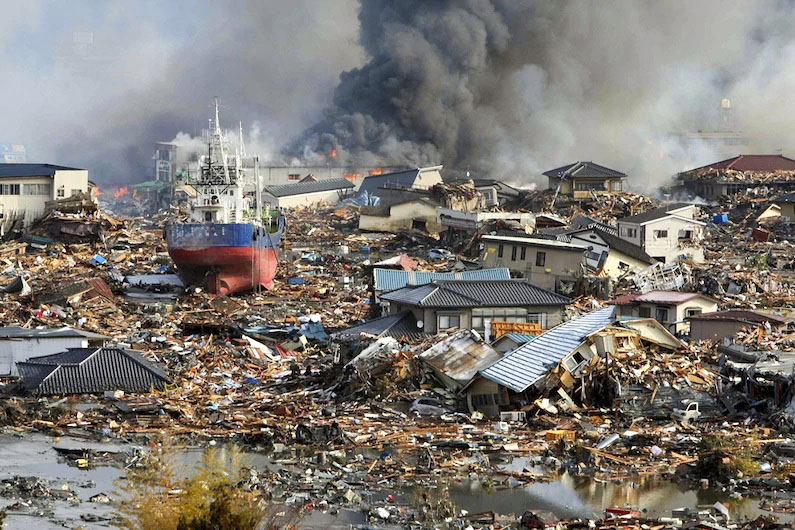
[528,363]
[390,279]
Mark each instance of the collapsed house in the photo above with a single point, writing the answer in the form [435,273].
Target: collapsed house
[720,325]
[669,233]
[91,371]
[669,308]
[740,173]
[608,254]
[19,344]
[308,192]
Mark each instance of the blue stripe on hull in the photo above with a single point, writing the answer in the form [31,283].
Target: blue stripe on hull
[212,235]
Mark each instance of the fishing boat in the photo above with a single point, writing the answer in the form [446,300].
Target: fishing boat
[228,244]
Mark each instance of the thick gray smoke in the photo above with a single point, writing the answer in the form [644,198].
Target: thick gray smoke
[511,88]
[507,88]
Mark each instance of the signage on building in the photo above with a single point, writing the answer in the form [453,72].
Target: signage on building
[11,153]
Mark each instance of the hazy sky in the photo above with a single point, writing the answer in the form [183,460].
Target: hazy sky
[508,88]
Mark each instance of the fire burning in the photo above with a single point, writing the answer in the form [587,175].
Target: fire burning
[121,192]
[353,177]
[376,171]
[333,153]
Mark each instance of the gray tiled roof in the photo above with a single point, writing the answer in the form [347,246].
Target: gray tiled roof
[299,188]
[583,170]
[476,293]
[526,364]
[391,279]
[651,215]
[32,170]
[91,371]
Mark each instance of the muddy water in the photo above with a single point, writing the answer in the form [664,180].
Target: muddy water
[33,455]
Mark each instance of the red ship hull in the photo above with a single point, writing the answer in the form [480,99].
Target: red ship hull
[226,270]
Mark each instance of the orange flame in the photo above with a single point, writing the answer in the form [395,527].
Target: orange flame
[121,192]
[376,171]
[352,176]
[97,192]
[333,153]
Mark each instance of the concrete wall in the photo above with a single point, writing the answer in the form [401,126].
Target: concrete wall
[17,350]
[401,217]
[32,206]
[788,209]
[559,264]
[715,329]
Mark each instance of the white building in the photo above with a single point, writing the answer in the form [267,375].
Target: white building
[25,188]
[669,308]
[667,234]
[20,344]
[307,193]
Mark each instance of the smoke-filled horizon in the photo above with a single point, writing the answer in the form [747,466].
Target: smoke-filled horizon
[506,88]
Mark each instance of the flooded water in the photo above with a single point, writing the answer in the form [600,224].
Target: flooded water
[568,496]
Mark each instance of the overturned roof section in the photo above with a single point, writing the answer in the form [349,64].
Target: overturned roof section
[584,170]
[757,163]
[535,242]
[656,213]
[16,332]
[616,243]
[527,364]
[742,315]
[402,179]
[476,293]
[91,371]
[32,170]
[401,325]
[308,186]
[660,297]
[390,280]
[460,356]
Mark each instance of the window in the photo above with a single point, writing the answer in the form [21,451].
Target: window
[685,234]
[587,186]
[10,189]
[661,315]
[449,321]
[208,216]
[417,224]
[541,259]
[524,253]
[660,234]
[75,192]
[623,266]
[61,192]
[644,312]
[513,253]
[629,232]
[163,154]
[500,250]
[512,314]
[35,189]
[484,400]
[294,176]
[538,318]
[693,311]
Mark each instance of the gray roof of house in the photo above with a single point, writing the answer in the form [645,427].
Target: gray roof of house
[528,363]
[390,279]
[300,188]
[583,221]
[651,215]
[16,332]
[583,170]
[91,371]
[789,197]
[405,179]
[616,243]
[32,170]
[398,326]
[476,293]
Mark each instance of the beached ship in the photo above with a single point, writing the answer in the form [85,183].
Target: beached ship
[229,244]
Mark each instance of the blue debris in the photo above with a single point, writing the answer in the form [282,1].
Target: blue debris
[296,281]
[720,218]
[98,260]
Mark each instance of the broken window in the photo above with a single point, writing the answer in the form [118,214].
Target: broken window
[541,259]
[623,266]
[418,224]
[685,234]
[693,311]
[660,234]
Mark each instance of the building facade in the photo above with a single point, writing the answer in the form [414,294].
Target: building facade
[581,179]
[25,189]
[667,234]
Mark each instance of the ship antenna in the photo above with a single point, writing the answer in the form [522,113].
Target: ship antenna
[219,136]
[242,145]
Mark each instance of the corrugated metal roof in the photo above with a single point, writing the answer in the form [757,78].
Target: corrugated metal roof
[536,242]
[91,371]
[390,279]
[299,188]
[476,293]
[460,356]
[16,332]
[525,365]
[372,184]
[519,338]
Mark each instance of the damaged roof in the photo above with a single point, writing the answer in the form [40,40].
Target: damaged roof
[584,170]
[399,325]
[91,371]
[308,186]
[460,356]
[16,332]
[616,243]
[390,279]
[528,363]
[752,163]
[403,179]
[660,297]
[741,315]
[656,213]
[476,293]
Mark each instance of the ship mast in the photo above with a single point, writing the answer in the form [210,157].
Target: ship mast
[218,135]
